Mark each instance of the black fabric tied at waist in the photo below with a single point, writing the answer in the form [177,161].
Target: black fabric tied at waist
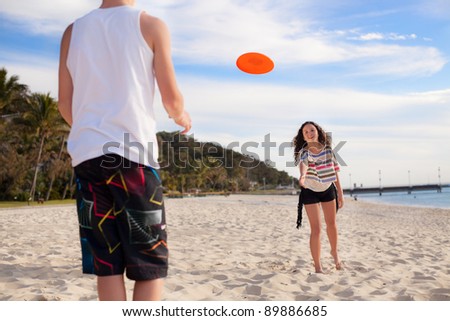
[300,206]
[299,210]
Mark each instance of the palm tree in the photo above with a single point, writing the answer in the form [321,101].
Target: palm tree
[57,165]
[11,92]
[69,185]
[216,176]
[12,97]
[42,118]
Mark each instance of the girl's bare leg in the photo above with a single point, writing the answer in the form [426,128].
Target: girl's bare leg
[329,211]
[313,212]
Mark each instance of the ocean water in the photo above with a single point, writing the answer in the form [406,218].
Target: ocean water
[419,198]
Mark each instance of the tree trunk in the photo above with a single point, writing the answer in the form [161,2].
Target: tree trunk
[52,175]
[68,186]
[63,197]
[33,186]
[71,183]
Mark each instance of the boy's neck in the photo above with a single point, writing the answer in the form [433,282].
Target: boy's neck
[116,3]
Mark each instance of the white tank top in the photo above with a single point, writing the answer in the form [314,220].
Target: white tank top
[111,67]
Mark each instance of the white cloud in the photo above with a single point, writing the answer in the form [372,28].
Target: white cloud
[217,32]
[439,9]
[396,60]
[395,36]
[45,16]
[384,131]
[389,130]
[385,127]
[372,36]
[381,36]
[277,102]
[39,73]
[38,78]
[394,157]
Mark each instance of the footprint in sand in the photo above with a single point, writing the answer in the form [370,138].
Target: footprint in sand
[404,298]
[15,285]
[8,258]
[440,294]
[259,277]
[305,288]
[343,281]
[378,292]
[326,287]
[422,277]
[253,290]
[301,262]
[347,293]
[313,278]
[56,282]
[306,298]
[250,281]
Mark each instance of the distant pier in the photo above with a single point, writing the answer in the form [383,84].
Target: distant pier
[391,189]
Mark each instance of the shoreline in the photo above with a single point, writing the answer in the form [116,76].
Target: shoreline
[360,198]
[390,199]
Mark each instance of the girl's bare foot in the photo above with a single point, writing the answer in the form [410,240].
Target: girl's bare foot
[319,269]
[337,261]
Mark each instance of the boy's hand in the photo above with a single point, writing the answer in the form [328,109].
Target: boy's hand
[184,120]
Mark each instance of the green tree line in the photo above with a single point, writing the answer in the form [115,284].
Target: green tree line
[35,163]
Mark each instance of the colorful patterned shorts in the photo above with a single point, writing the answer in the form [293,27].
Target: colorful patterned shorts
[121,218]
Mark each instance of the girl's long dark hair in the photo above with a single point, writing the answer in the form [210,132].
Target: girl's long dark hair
[300,143]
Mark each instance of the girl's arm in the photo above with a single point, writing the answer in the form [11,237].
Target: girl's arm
[303,169]
[340,192]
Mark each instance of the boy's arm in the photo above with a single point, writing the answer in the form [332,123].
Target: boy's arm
[157,36]
[65,85]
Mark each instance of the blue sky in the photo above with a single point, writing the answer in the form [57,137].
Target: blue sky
[375,73]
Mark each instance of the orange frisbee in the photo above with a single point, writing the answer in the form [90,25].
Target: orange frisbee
[254,63]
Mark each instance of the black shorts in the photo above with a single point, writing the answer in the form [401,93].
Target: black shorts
[310,197]
[121,218]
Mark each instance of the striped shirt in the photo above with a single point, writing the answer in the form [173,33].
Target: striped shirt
[322,169]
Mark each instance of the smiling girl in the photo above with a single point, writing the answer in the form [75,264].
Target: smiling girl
[320,187]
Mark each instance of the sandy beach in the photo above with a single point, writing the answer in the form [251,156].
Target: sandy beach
[243,247]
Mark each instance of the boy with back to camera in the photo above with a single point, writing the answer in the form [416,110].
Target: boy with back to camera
[109,62]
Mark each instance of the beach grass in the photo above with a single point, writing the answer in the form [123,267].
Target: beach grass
[12,204]
[26,204]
